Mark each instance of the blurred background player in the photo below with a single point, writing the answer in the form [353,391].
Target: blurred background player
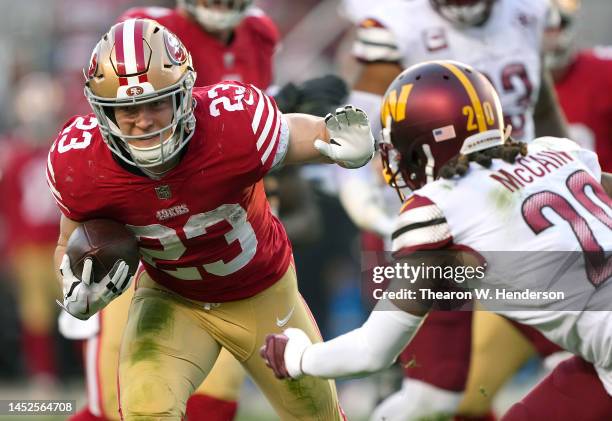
[502,39]
[582,78]
[30,218]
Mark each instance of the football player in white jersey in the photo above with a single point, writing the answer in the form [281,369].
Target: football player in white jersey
[502,39]
[474,189]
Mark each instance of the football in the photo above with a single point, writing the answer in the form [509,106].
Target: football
[104,241]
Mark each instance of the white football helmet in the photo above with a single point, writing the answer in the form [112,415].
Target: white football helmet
[216,15]
[140,61]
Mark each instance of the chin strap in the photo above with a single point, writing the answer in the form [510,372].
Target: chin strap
[431,162]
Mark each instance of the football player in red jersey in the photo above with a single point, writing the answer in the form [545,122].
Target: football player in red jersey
[456,172]
[234,40]
[182,168]
[582,80]
[30,218]
[229,40]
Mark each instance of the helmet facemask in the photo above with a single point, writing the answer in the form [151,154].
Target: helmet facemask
[180,129]
[214,19]
[399,171]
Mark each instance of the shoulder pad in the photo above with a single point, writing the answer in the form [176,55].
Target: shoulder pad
[375,42]
[421,225]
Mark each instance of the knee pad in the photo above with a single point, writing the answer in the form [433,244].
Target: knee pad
[149,396]
[417,400]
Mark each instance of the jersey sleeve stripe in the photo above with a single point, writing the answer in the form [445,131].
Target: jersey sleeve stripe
[58,199]
[418,215]
[258,110]
[50,167]
[417,225]
[269,120]
[52,187]
[275,136]
[423,238]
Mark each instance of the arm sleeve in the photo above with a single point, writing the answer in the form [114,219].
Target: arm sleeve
[421,225]
[370,348]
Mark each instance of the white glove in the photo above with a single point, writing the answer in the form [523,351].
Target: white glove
[294,351]
[82,298]
[351,144]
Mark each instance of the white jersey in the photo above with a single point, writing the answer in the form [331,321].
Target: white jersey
[531,222]
[506,48]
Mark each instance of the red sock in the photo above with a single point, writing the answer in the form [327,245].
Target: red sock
[85,415]
[39,353]
[206,408]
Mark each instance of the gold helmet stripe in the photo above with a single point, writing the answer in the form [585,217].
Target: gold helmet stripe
[471,91]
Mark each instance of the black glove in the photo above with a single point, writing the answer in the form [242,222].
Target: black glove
[316,96]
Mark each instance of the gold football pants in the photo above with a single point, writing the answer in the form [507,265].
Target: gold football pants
[498,351]
[171,343]
[102,360]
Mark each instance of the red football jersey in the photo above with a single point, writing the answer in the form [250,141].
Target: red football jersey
[29,212]
[205,229]
[584,95]
[247,58]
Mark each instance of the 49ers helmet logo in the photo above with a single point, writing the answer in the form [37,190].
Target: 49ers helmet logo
[134,90]
[93,64]
[174,47]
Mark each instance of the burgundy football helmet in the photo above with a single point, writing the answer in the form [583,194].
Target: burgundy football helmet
[464,12]
[431,113]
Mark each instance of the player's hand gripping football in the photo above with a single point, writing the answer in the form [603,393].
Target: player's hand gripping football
[83,297]
[283,353]
[351,144]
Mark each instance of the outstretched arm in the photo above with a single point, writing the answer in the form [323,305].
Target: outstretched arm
[343,137]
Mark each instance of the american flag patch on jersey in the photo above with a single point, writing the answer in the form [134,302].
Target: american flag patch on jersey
[444,133]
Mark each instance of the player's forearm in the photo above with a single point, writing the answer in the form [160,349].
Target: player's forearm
[67,226]
[60,250]
[372,347]
[303,131]
[548,116]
